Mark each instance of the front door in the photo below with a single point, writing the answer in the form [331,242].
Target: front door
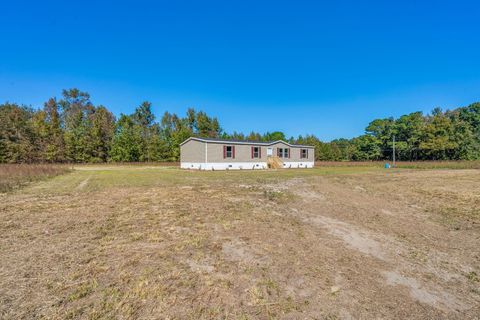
[269,152]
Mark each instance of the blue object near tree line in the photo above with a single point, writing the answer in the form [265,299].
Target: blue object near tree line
[387,165]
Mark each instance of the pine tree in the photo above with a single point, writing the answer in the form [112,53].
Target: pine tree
[77,113]
[55,149]
[103,129]
[127,142]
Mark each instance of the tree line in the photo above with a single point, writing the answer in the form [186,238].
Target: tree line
[440,135]
[73,129]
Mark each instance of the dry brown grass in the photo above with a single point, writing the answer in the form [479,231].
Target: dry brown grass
[138,164]
[16,175]
[147,243]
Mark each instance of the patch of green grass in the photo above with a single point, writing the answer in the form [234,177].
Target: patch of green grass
[456,217]
[270,285]
[417,255]
[266,175]
[440,165]
[475,164]
[82,290]
[106,176]
[473,276]
[74,313]
[275,196]
[99,178]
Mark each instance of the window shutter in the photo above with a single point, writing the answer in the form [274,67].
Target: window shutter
[259,152]
[233,152]
[251,149]
[288,153]
[224,152]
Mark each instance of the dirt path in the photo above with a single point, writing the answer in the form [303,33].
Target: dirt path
[382,247]
[83,184]
[428,281]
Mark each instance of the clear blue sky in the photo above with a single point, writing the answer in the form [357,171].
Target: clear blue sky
[321,67]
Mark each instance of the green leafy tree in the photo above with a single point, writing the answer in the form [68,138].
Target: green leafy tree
[206,126]
[55,149]
[73,129]
[471,115]
[367,147]
[127,141]
[144,119]
[237,136]
[173,131]
[254,136]
[345,149]
[77,113]
[437,141]
[192,119]
[102,132]
[17,139]
[409,131]
[383,131]
[274,136]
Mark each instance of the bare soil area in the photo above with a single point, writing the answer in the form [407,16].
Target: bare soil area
[163,243]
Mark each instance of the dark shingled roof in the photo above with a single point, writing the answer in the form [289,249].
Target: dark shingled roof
[262,143]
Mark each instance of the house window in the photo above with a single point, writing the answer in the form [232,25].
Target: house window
[256,152]
[283,153]
[228,151]
[304,153]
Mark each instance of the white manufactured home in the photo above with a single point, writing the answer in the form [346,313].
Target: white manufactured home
[220,154]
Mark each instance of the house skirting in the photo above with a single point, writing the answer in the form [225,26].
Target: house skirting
[294,165]
[241,165]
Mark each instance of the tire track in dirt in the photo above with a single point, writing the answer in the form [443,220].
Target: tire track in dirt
[378,246]
[83,184]
[364,242]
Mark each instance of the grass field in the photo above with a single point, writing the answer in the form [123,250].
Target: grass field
[404,164]
[334,242]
